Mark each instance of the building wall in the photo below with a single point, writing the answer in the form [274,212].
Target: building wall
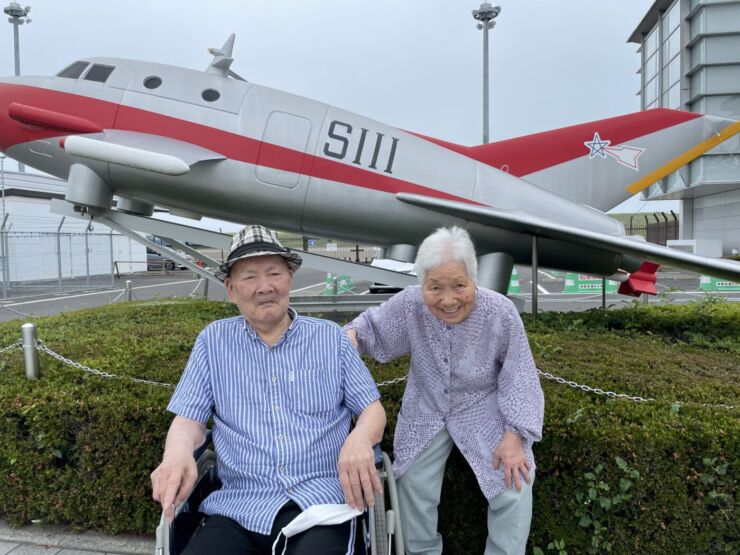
[690,60]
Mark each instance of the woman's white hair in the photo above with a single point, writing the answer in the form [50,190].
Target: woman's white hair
[451,244]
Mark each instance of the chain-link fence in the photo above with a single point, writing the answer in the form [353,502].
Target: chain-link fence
[39,262]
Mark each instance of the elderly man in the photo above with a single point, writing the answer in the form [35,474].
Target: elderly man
[280,388]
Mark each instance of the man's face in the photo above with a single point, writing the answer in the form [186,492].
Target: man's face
[449,292]
[260,287]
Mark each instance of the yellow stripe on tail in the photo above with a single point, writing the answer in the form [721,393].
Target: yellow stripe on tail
[684,158]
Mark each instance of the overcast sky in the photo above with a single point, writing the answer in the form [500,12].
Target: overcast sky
[411,64]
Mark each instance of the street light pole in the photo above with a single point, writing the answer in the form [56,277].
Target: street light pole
[486,15]
[17,16]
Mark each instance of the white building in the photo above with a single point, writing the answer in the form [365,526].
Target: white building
[690,60]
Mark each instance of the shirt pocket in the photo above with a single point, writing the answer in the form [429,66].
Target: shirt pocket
[314,391]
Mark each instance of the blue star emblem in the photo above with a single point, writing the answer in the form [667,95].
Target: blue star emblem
[596,146]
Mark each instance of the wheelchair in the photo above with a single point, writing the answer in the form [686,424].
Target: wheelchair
[380,533]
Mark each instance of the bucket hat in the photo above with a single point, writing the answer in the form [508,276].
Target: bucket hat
[256,240]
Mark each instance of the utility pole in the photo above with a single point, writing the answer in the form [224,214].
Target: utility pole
[485,16]
[17,16]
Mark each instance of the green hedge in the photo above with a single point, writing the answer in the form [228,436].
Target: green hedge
[613,474]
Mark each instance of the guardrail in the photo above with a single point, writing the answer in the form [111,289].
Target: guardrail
[338,303]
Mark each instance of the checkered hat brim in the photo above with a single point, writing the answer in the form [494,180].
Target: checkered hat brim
[256,240]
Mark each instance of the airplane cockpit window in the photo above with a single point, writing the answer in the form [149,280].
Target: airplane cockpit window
[99,73]
[73,71]
[211,95]
[152,82]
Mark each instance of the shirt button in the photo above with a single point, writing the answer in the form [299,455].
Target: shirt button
[445,390]
[444,360]
[274,379]
[281,468]
[280,436]
[290,490]
[448,327]
[276,407]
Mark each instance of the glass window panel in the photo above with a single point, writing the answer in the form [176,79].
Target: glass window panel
[672,99]
[651,42]
[73,71]
[650,93]
[99,73]
[671,73]
[651,67]
[671,46]
[671,19]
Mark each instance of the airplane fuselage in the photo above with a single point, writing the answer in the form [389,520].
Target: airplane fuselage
[265,156]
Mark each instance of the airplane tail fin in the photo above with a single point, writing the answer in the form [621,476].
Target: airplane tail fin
[604,162]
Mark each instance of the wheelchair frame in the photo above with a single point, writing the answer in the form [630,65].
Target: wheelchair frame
[382,527]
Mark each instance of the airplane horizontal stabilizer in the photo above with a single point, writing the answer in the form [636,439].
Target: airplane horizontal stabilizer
[142,151]
[523,222]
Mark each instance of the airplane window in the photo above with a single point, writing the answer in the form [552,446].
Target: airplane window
[211,95]
[152,82]
[74,70]
[99,73]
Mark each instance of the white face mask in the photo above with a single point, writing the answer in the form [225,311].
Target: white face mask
[318,515]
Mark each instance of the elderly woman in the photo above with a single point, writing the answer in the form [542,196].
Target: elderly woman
[472,383]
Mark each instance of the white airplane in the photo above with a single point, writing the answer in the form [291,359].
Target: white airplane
[208,143]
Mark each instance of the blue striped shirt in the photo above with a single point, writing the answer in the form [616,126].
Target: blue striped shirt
[280,414]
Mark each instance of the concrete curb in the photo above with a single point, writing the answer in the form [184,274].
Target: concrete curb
[61,537]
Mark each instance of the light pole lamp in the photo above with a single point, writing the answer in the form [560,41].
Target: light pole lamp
[485,16]
[17,16]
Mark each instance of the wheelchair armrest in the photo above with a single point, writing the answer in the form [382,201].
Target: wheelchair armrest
[378,456]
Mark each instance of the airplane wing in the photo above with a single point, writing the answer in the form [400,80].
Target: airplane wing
[522,222]
[143,151]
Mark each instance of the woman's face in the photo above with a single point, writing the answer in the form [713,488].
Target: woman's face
[449,292]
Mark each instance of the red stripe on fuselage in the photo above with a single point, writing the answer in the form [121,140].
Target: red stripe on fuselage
[532,153]
[232,145]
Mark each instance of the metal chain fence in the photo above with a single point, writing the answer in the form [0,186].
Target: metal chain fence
[41,346]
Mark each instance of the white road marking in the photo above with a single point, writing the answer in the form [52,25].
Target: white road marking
[308,287]
[541,289]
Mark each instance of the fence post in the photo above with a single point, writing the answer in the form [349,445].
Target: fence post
[129,291]
[59,253]
[205,288]
[30,354]
[334,285]
[112,262]
[87,257]
[5,261]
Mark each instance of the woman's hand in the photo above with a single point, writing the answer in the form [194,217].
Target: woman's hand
[510,452]
[352,334]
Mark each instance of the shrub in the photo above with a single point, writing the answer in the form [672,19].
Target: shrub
[77,449]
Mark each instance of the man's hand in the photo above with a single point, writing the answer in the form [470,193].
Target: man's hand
[175,477]
[173,480]
[510,452]
[357,473]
